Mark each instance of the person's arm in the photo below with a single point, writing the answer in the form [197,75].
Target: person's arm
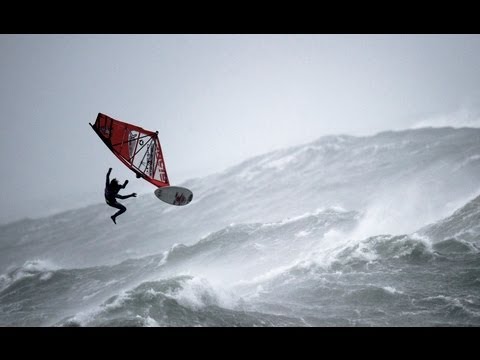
[125,184]
[108,177]
[126,196]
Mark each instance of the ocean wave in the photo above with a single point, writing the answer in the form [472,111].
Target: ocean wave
[452,308]
[373,294]
[383,249]
[178,301]
[455,246]
[42,270]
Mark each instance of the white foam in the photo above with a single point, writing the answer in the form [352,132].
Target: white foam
[111,282]
[39,265]
[199,292]
[392,290]
[264,277]
[118,302]
[46,276]
[279,164]
[86,316]
[462,117]
[455,302]
[424,240]
[29,269]
[163,260]
[89,296]
[149,322]
[293,219]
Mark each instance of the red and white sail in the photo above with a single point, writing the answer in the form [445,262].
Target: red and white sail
[137,148]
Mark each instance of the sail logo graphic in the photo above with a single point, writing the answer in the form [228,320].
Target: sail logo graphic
[132,136]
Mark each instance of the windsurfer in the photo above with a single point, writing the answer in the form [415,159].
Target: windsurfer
[111,195]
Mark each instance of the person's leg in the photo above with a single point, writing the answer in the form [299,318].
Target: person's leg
[121,210]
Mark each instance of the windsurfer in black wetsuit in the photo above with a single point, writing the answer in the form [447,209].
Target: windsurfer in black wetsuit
[111,195]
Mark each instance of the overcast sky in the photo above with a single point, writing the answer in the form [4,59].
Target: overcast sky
[215,100]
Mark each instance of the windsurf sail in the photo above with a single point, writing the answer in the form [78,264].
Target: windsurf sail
[137,148]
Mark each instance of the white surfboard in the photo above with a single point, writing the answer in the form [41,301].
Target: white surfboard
[174,195]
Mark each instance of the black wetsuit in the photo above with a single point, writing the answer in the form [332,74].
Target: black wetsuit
[111,199]
[111,194]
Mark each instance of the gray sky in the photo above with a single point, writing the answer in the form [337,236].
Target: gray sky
[215,100]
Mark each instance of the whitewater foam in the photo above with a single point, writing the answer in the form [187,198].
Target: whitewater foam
[44,268]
